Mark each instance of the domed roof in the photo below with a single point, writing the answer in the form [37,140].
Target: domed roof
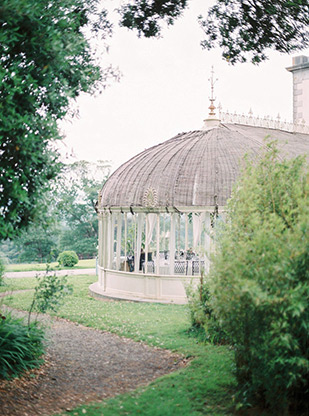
[192,169]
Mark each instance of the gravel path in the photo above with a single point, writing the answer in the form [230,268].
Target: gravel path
[84,365]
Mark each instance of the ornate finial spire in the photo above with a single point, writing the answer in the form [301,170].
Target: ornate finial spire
[212,120]
[212,99]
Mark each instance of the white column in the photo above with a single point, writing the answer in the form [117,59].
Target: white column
[125,234]
[108,240]
[164,232]
[158,245]
[134,218]
[172,244]
[112,240]
[100,242]
[178,242]
[103,248]
[146,242]
[118,250]
[137,253]
[186,234]
[100,249]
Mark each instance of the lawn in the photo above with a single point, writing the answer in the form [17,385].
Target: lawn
[25,267]
[205,387]
[18,284]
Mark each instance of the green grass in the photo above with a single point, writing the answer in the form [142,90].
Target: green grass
[204,387]
[18,284]
[25,267]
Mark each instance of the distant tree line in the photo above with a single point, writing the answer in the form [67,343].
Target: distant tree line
[70,220]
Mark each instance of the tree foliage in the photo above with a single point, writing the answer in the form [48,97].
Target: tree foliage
[70,221]
[45,62]
[76,197]
[242,28]
[49,293]
[37,244]
[245,28]
[202,314]
[260,278]
[146,15]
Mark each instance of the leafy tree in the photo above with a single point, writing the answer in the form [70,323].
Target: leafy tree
[37,244]
[82,238]
[146,15]
[76,195]
[70,221]
[46,61]
[247,28]
[39,241]
[260,281]
[8,251]
[243,28]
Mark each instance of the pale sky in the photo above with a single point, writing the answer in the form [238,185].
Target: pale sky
[164,90]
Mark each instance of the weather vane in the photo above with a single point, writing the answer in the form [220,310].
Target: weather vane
[212,99]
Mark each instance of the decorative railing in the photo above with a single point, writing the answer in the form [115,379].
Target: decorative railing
[267,122]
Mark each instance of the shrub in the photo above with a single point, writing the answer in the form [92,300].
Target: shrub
[260,277]
[202,315]
[49,293]
[67,258]
[21,346]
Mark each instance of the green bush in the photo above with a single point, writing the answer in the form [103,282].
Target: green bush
[67,258]
[49,293]
[260,282]
[202,315]
[21,346]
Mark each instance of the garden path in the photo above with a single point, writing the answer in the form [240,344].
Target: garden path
[83,365]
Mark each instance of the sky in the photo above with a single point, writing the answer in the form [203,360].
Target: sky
[164,90]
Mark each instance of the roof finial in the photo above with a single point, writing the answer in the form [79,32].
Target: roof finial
[212,99]
[212,120]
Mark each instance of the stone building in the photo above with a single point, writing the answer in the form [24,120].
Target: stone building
[300,71]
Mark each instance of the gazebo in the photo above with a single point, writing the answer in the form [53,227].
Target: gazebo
[158,212]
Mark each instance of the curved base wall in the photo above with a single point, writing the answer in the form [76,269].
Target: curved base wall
[141,287]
